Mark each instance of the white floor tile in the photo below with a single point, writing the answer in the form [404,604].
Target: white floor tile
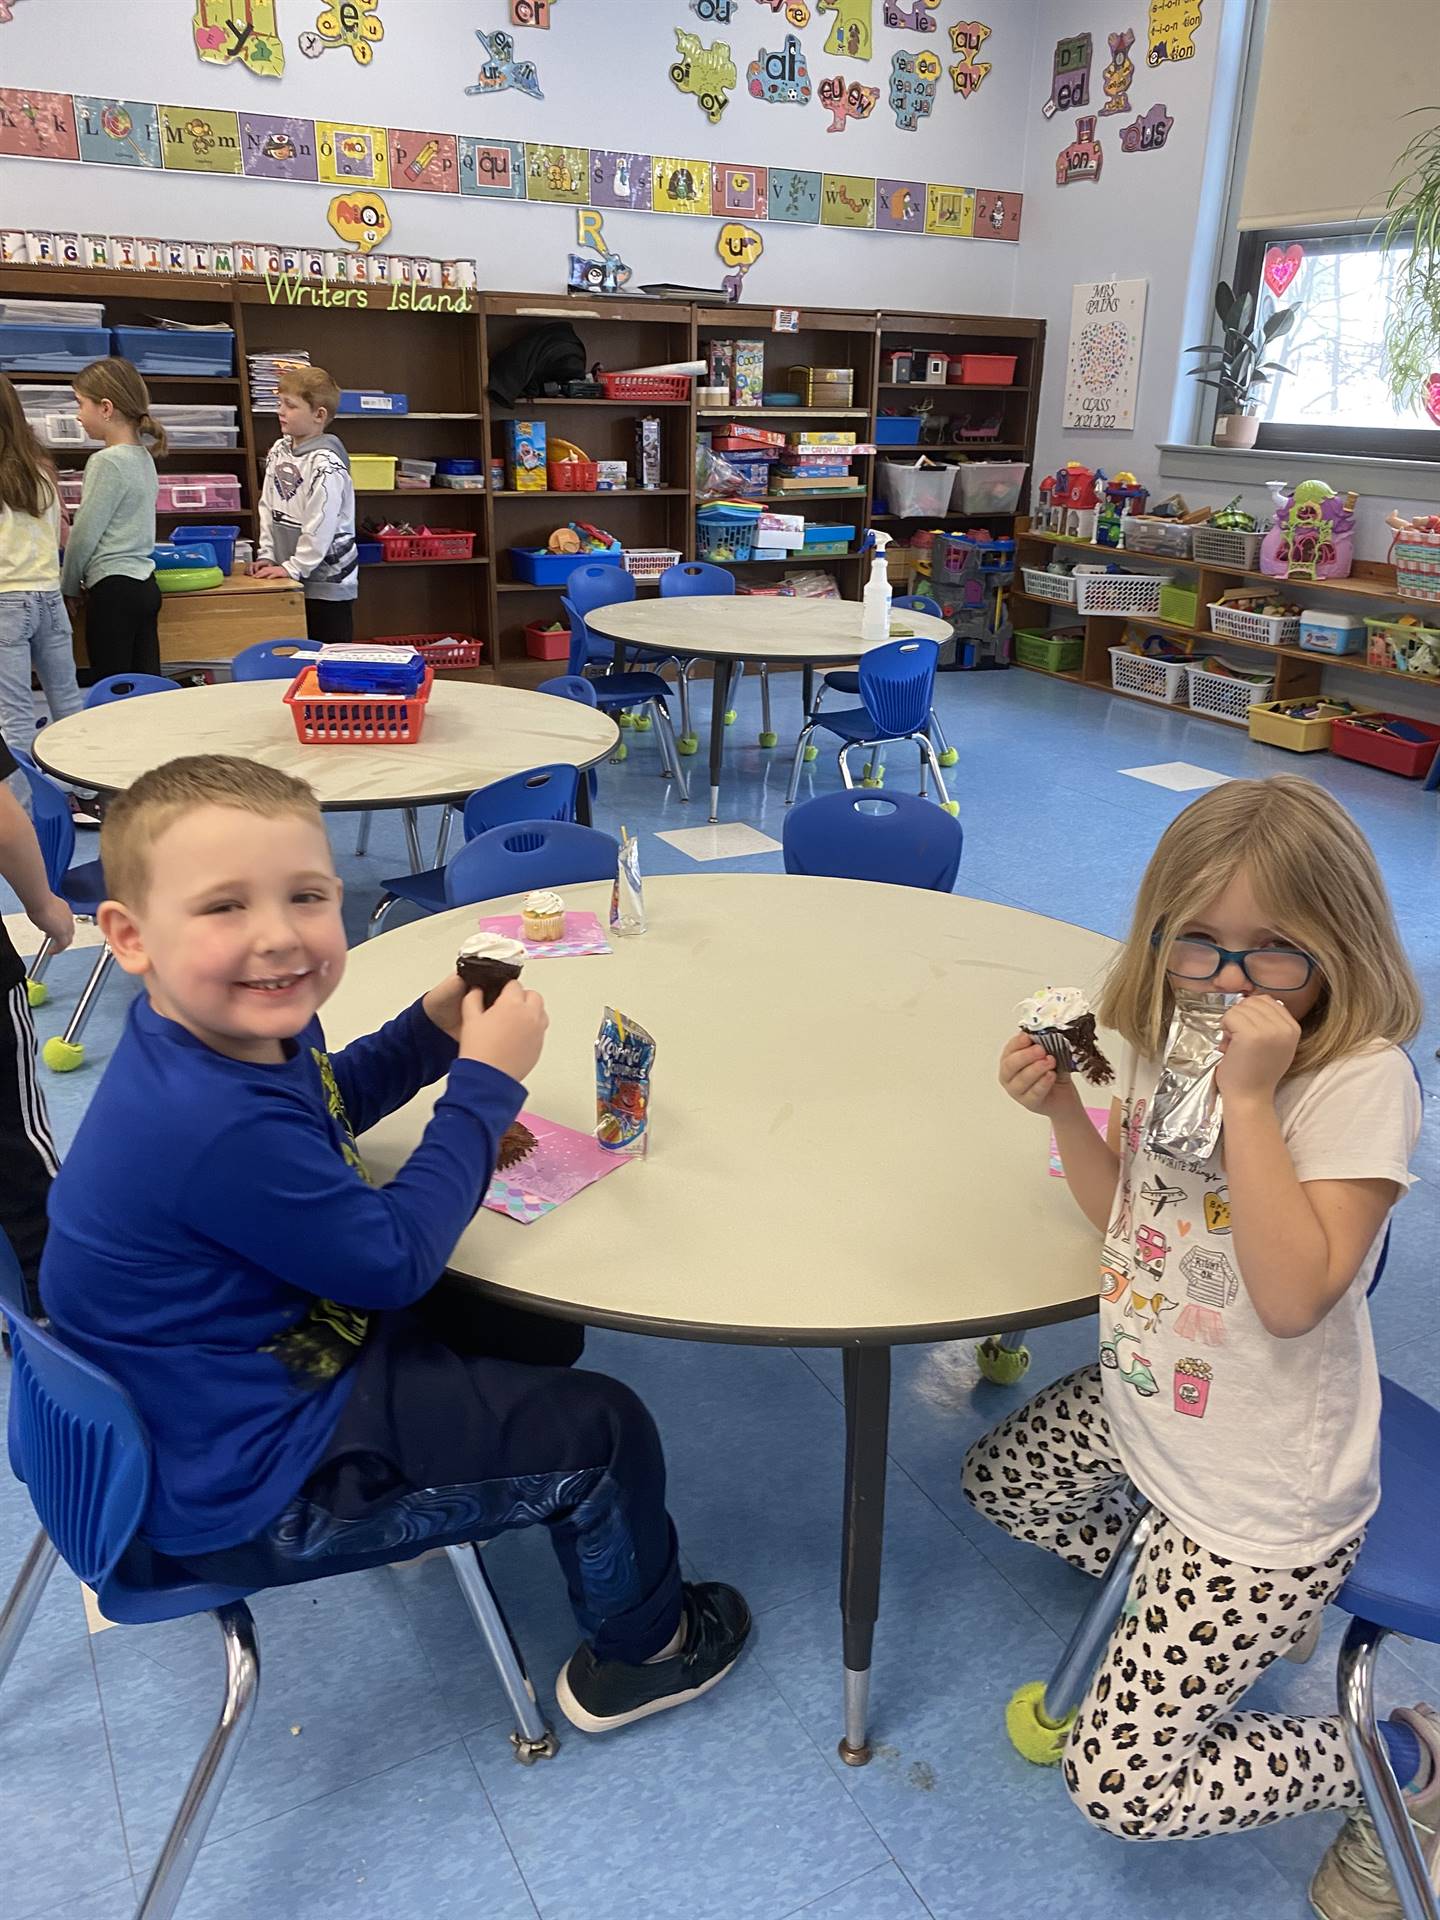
[1180,776]
[728,842]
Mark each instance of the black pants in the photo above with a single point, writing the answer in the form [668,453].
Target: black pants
[27,1153]
[122,633]
[330,622]
[465,1421]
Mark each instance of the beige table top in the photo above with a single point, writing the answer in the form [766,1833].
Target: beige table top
[832,1157]
[473,735]
[743,627]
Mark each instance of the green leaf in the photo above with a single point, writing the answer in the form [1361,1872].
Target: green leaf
[1224,303]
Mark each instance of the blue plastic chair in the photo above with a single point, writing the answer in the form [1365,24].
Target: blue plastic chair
[847,679]
[897,683]
[545,793]
[128,686]
[537,853]
[82,888]
[574,686]
[81,1450]
[618,693]
[270,660]
[701,577]
[894,838]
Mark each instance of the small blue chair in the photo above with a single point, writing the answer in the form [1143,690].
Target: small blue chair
[894,838]
[270,660]
[619,692]
[897,684]
[128,686]
[535,853]
[545,793]
[702,577]
[847,679]
[81,1450]
[82,888]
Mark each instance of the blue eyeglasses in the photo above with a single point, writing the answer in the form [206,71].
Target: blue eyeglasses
[1274,969]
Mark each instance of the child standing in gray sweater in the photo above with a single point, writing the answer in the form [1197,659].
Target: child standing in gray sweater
[110,552]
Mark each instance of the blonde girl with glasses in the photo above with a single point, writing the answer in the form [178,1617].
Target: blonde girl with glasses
[1237,1387]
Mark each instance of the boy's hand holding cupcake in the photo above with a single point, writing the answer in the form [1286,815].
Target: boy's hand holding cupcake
[509,1035]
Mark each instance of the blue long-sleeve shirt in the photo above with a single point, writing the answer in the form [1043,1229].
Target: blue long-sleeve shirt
[216,1246]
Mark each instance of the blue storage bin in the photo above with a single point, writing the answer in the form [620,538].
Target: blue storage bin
[219,540]
[818,532]
[162,350]
[898,430]
[540,569]
[366,400]
[172,556]
[51,349]
[370,553]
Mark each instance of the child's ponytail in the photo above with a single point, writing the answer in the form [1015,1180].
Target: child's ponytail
[151,431]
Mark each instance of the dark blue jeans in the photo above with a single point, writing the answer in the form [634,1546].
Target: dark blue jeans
[446,1438]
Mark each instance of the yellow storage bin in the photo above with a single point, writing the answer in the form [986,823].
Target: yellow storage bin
[372,472]
[1273,723]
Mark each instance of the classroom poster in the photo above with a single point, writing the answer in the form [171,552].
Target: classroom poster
[492,169]
[950,211]
[1102,368]
[200,140]
[118,133]
[847,200]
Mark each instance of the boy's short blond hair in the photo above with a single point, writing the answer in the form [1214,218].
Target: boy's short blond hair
[313,385]
[135,821]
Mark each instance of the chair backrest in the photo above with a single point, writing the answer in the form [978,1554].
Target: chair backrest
[591,586]
[125,686]
[54,828]
[570,686]
[540,853]
[860,836]
[269,660]
[695,576]
[75,1441]
[545,793]
[919,603]
[897,685]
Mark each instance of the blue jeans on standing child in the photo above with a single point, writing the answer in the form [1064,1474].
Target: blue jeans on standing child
[34,634]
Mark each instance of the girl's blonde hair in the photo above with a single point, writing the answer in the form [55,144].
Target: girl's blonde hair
[27,477]
[119,383]
[1317,880]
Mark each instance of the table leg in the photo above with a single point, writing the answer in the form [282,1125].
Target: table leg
[721,700]
[867,1430]
[809,693]
[412,840]
[583,811]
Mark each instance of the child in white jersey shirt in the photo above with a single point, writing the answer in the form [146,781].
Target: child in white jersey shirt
[1238,1388]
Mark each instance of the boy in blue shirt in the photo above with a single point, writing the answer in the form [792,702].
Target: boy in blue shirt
[314,1401]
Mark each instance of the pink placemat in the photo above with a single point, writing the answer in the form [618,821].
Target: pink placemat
[583,934]
[1099,1119]
[563,1164]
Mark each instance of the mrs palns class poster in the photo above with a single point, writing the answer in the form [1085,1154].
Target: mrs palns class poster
[1102,369]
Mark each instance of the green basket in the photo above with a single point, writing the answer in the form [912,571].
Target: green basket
[1179,605]
[1049,652]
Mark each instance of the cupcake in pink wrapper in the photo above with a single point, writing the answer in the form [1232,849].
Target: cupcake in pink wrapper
[1192,1386]
[1061,1021]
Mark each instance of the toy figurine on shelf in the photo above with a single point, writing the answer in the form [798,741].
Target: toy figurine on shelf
[1313,537]
[1119,497]
[1075,499]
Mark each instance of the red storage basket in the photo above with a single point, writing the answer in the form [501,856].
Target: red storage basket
[431,543]
[542,643]
[436,649]
[987,369]
[1409,758]
[646,386]
[355,719]
[573,476]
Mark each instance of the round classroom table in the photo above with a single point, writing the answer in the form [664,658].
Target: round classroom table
[832,1160]
[473,734]
[729,630]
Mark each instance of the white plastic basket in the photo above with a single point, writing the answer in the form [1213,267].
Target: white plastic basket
[1227,547]
[1162,681]
[648,563]
[1224,698]
[1120,594]
[1144,533]
[1260,629]
[1042,585]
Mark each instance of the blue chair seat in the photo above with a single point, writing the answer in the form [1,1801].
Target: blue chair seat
[850,723]
[425,890]
[1396,1582]
[628,689]
[844,680]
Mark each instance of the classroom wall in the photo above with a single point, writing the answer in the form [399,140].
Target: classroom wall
[603,67]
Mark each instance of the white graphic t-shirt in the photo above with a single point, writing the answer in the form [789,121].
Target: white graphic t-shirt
[1264,1450]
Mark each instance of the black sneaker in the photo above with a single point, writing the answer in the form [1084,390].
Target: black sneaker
[598,1695]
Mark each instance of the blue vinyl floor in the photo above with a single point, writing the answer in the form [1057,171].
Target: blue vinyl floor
[377,1783]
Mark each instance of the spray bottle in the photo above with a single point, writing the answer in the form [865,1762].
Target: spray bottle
[875,614]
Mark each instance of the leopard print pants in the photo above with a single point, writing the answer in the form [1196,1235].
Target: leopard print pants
[1158,1752]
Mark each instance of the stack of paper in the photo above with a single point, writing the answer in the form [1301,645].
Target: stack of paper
[265,372]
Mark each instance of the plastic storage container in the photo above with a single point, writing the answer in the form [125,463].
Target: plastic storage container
[1162,681]
[721,539]
[646,564]
[1144,533]
[1058,652]
[1323,630]
[1227,696]
[173,414]
[1041,584]
[431,543]
[987,369]
[573,476]
[330,720]
[1119,594]
[1226,547]
[372,472]
[202,356]
[898,430]
[367,400]
[218,540]
[537,568]
[1411,759]
[1398,645]
[1179,605]
[1260,629]
[198,493]
[61,349]
[547,643]
[192,439]
[1417,565]
[1274,726]
[991,486]
[437,649]
[916,492]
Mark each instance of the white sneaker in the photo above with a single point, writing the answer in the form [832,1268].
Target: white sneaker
[1353,1881]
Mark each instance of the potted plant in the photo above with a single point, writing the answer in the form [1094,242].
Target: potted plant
[1409,230]
[1236,367]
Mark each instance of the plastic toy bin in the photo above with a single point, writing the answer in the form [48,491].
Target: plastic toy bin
[46,349]
[987,369]
[168,350]
[1411,759]
[538,568]
[991,486]
[898,430]
[916,492]
[1273,727]
[355,719]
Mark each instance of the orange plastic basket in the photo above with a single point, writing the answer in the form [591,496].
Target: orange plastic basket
[646,386]
[355,719]
[573,476]
[431,543]
[437,649]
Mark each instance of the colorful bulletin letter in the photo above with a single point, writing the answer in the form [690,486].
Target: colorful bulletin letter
[846,102]
[739,247]
[200,140]
[850,29]
[1118,74]
[966,39]
[1148,132]
[997,214]
[1070,82]
[796,13]
[424,162]
[1107,320]
[530,13]
[706,72]
[492,169]
[361,219]
[900,206]
[619,179]
[352,155]
[679,186]
[741,190]
[918,17]
[1171,32]
[950,211]
[244,30]
[500,70]
[795,196]
[352,23]
[780,78]
[1083,158]
[721,11]
[37,126]
[847,200]
[276,148]
[118,133]
[557,174]
[913,80]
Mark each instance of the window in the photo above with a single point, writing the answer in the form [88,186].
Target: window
[1335,398]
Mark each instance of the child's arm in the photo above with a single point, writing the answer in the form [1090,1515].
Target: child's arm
[265,546]
[319,511]
[1298,1244]
[383,1070]
[22,866]
[1092,1165]
[102,499]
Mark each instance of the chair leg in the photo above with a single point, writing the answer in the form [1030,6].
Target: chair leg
[928,758]
[689,739]
[948,755]
[768,735]
[668,746]
[362,838]
[212,1769]
[412,840]
[800,745]
[442,839]
[1383,1799]
[24,1597]
[57,1053]
[1065,1688]
[379,913]
[737,675]
[532,1738]
[844,759]
[36,991]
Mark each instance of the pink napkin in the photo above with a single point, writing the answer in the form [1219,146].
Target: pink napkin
[563,1164]
[583,934]
[1099,1119]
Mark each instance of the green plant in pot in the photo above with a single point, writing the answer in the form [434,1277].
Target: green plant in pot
[1411,231]
[1236,366]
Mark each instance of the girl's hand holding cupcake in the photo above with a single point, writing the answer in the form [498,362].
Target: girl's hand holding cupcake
[1259,1037]
[1030,1076]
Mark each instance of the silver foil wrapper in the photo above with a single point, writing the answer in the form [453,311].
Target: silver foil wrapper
[1184,1120]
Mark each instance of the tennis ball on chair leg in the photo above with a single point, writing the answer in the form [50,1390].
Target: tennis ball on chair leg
[812,753]
[769,739]
[622,752]
[953,806]
[627,719]
[62,1056]
[949,757]
[642,723]
[1003,1365]
[36,992]
[1043,1745]
[689,743]
[731,717]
